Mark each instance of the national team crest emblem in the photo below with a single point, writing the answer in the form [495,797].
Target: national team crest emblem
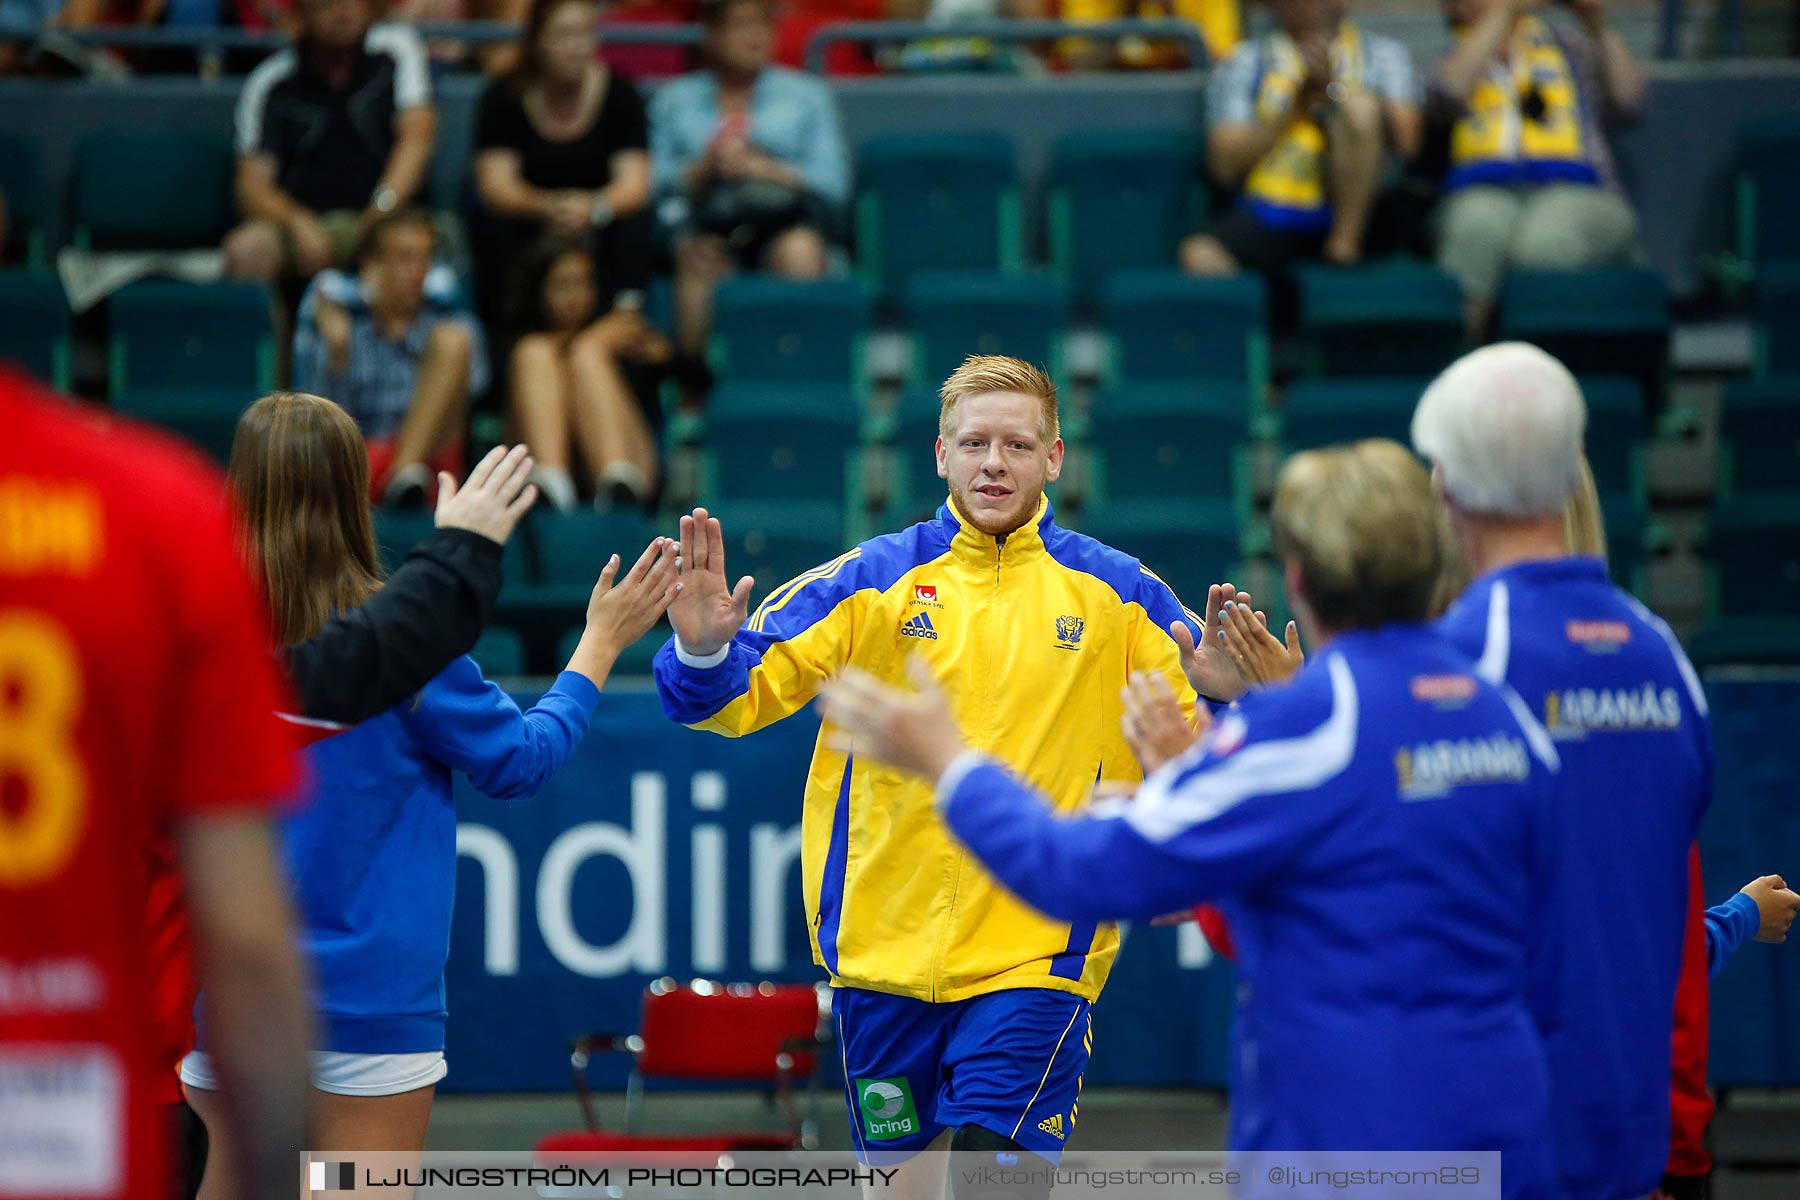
[1069,631]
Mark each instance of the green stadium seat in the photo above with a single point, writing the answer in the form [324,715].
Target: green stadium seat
[1190,546]
[1776,308]
[567,551]
[1617,424]
[777,540]
[1626,517]
[954,314]
[1391,319]
[769,330]
[1755,550]
[1767,177]
[936,202]
[1121,199]
[1747,641]
[636,659]
[1604,321]
[1164,442]
[148,188]
[1168,327]
[396,533]
[191,357]
[22,187]
[913,456]
[1759,436]
[786,443]
[34,326]
[562,554]
[499,651]
[1324,412]
[168,334]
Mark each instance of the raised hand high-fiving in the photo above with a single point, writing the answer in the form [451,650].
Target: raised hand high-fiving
[709,611]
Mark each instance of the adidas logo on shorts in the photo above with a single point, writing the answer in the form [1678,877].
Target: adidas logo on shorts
[1053,1126]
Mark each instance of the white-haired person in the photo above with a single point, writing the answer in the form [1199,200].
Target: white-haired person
[1377,832]
[1503,428]
[1506,421]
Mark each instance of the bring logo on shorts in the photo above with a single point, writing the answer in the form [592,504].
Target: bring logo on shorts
[887,1108]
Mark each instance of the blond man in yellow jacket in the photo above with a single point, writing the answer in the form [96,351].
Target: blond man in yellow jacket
[959,1008]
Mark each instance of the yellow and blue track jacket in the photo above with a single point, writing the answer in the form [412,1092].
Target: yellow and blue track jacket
[1033,635]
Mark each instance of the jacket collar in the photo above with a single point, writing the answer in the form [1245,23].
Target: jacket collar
[968,542]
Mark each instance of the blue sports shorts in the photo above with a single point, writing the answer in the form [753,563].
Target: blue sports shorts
[1009,1061]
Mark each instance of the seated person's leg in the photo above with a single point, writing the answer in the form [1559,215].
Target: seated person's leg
[797,253]
[254,251]
[1475,229]
[1204,255]
[1353,161]
[540,403]
[434,418]
[1239,241]
[701,260]
[614,437]
[1565,227]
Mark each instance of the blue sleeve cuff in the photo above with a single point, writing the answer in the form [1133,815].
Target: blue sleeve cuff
[955,774]
[579,688]
[699,661]
[1744,914]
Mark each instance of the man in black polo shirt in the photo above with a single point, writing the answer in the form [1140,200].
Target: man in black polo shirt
[332,134]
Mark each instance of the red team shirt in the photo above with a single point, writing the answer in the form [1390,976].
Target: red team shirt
[136,687]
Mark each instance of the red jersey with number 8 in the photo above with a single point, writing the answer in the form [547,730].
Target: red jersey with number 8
[136,688]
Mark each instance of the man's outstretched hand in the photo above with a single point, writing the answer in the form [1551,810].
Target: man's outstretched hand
[709,611]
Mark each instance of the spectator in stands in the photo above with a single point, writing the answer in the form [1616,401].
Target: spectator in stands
[1220,23]
[562,146]
[751,161]
[332,135]
[1302,123]
[395,349]
[1530,179]
[566,384]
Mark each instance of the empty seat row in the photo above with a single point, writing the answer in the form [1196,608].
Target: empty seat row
[185,356]
[1161,326]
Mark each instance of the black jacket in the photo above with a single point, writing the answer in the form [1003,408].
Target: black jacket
[376,655]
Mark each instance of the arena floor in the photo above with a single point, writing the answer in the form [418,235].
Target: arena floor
[1756,1137]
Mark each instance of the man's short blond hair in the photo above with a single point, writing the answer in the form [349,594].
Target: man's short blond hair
[981,374]
[1362,522]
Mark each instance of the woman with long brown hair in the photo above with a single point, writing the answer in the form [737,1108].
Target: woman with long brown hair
[372,857]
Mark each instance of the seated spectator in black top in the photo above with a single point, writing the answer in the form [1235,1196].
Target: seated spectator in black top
[562,146]
[567,388]
[332,134]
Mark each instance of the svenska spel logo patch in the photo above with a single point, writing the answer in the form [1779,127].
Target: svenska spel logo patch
[925,593]
[887,1108]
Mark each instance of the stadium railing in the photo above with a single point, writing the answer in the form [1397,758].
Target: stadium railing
[481,33]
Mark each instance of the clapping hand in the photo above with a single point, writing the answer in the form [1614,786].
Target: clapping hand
[909,730]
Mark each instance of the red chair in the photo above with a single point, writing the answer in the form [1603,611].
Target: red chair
[759,1034]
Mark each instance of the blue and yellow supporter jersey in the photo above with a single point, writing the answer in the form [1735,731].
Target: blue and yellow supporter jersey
[1625,708]
[1378,833]
[1033,636]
